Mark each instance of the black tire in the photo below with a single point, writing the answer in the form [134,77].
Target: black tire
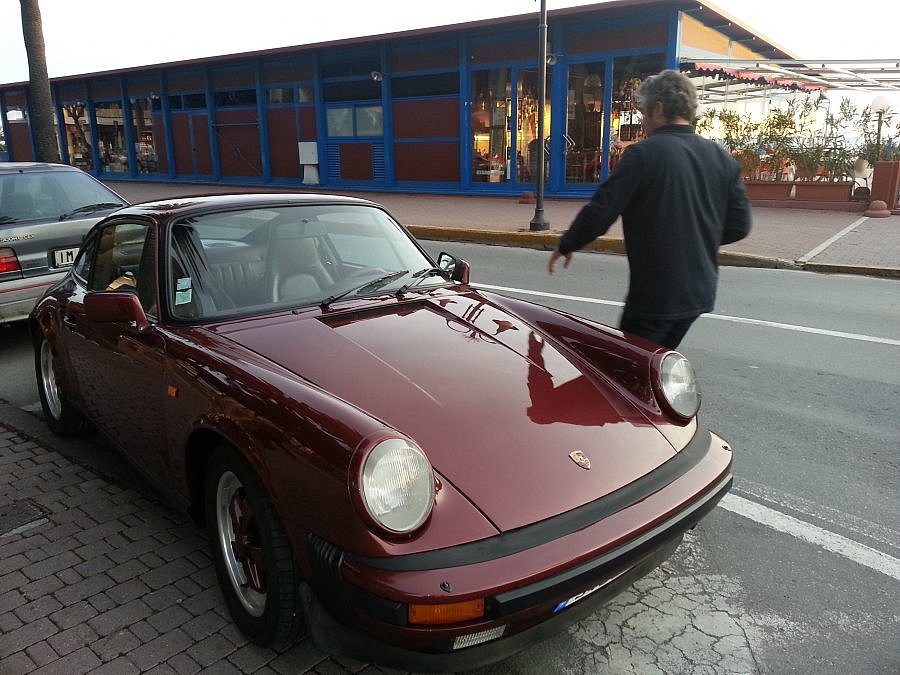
[61,416]
[252,556]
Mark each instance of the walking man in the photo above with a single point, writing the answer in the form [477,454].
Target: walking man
[680,197]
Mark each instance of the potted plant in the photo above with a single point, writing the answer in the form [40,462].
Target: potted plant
[835,155]
[741,137]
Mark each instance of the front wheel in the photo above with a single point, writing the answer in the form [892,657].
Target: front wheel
[61,416]
[252,556]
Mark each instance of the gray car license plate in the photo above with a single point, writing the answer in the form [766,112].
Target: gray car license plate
[64,257]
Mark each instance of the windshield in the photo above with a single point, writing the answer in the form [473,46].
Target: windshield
[52,196]
[235,263]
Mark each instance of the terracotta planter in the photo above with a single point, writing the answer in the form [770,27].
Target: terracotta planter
[768,189]
[822,191]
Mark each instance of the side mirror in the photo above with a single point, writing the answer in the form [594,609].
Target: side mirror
[115,307]
[456,269]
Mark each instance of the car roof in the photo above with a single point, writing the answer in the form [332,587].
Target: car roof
[192,204]
[23,167]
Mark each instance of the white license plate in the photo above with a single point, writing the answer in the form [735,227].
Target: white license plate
[64,257]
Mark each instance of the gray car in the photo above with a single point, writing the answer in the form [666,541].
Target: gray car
[45,210]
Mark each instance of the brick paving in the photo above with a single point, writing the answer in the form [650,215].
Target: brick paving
[105,579]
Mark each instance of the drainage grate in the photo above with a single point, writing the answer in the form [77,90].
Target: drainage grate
[19,515]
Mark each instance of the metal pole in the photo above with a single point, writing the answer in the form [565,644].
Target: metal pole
[878,137]
[538,222]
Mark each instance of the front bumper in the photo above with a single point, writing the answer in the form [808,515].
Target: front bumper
[530,592]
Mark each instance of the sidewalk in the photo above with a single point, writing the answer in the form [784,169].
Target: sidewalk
[817,239]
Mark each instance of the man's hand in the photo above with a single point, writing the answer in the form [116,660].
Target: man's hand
[556,255]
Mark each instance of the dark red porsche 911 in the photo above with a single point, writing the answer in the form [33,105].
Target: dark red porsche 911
[416,472]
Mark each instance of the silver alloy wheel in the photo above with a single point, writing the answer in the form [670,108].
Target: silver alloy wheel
[237,537]
[48,381]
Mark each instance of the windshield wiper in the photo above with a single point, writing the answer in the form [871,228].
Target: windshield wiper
[90,208]
[365,286]
[420,276]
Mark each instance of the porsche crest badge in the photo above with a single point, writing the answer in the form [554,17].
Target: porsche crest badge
[579,458]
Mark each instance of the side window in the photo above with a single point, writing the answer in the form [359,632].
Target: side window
[84,263]
[122,257]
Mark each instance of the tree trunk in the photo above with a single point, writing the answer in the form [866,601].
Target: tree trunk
[39,98]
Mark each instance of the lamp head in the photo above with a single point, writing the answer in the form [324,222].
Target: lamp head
[880,104]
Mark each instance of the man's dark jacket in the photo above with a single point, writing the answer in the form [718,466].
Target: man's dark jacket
[680,197]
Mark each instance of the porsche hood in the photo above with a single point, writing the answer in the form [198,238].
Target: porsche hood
[517,424]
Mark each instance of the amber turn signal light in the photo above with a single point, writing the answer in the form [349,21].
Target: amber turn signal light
[452,612]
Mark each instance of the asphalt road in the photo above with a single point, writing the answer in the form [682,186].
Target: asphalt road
[798,570]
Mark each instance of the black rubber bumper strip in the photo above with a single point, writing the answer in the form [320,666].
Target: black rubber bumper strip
[557,527]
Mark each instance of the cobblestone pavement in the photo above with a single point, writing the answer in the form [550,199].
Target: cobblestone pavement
[96,576]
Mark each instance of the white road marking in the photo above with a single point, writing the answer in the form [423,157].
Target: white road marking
[835,543]
[721,317]
[825,244]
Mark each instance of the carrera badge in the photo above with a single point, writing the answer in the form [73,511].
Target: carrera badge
[580,459]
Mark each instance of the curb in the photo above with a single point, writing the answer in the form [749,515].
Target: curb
[548,240]
[862,270]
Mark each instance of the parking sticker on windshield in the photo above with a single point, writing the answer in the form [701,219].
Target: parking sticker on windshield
[183,291]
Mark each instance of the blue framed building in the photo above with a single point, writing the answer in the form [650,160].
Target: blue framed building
[451,109]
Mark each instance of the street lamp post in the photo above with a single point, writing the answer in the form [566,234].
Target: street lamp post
[879,106]
[539,222]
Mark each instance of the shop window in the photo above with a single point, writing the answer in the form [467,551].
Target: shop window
[628,73]
[490,125]
[78,135]
[307,94]
[584,123]
[529,111]
[142,132]
[356,90]
[360,65]
[110,123]
[438,84]
[369,120]
[194,100]
[280,95]
[235,98]
[175,102]
[352,121]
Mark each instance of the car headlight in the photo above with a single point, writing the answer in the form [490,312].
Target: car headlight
[397,485]
[678,385]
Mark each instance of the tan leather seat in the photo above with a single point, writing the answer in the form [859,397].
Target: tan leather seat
[297,269]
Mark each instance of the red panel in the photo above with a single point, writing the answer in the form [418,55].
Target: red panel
[20,142]
[308,124]
[237,133]
[283,154]
[622,38]
[504,51]
[181,141]
[427,161]
[356,161]
[434,118]
[200,126]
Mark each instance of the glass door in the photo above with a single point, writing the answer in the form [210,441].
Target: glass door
[528,109]
[491,111]
[584,123]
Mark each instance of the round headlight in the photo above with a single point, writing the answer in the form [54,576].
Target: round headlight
[398,485]
[679,385]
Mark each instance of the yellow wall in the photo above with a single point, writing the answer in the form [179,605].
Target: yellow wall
[699,36]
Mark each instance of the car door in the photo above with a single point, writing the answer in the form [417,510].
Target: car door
[118,366]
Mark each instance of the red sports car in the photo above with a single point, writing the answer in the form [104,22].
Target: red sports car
[420,474]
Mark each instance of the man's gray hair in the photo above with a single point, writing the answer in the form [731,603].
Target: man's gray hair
[674,90]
